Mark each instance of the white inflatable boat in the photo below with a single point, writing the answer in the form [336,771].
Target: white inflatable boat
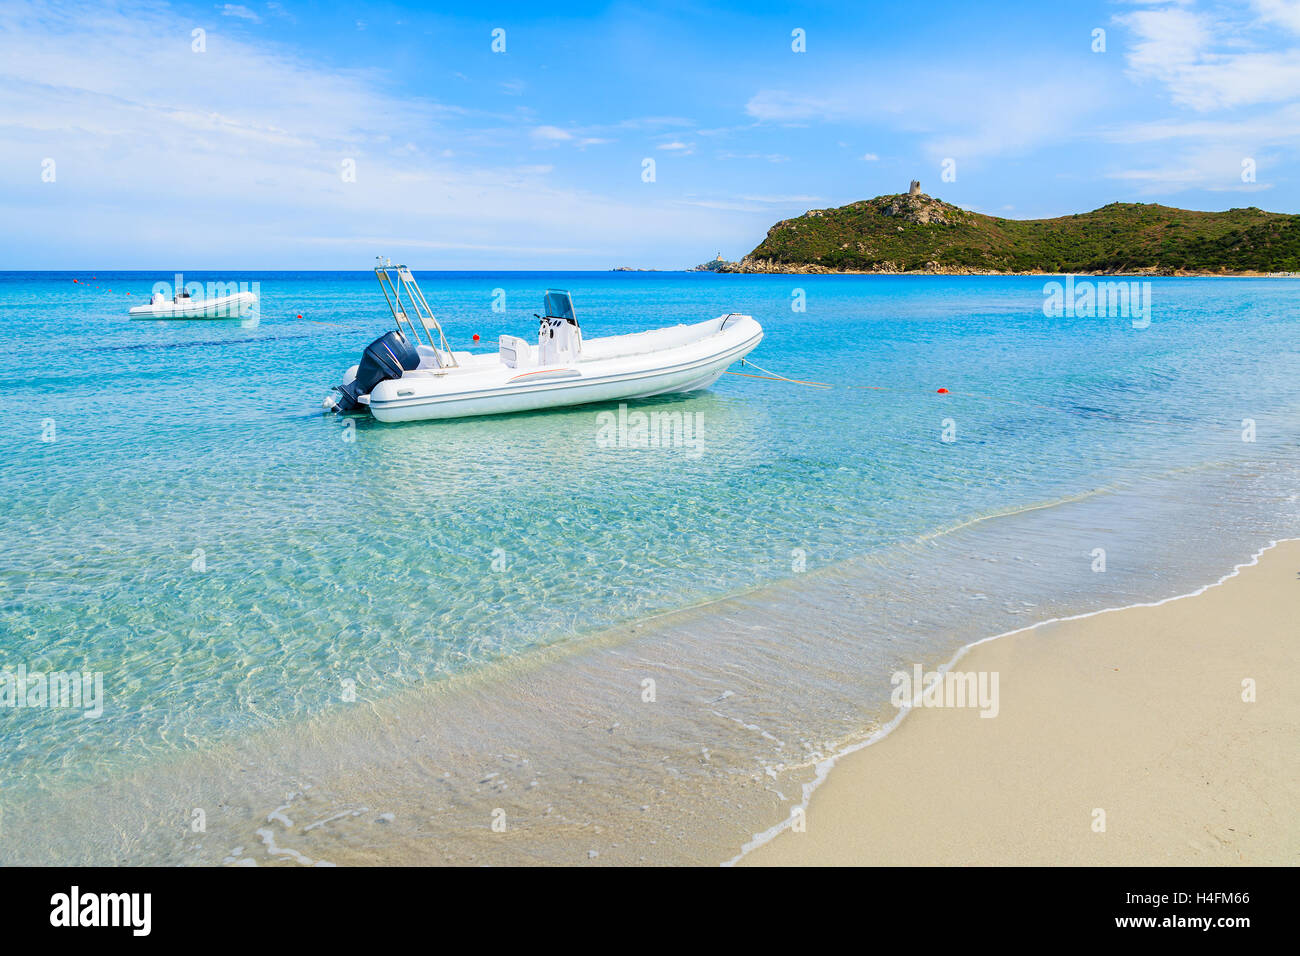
[183,306]
[402,378]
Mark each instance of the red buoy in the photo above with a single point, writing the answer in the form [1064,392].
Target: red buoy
[943,391]
[475,336]
[300,315]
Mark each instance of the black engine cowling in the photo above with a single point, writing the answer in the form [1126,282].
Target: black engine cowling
[386,357]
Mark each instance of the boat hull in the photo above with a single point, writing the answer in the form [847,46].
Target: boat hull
[413,398]
[226,307]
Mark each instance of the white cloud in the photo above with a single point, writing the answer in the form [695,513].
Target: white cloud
[1237,62]
[414,242]
[552,134]
[652,122]
[1212,168]
[1016,110]
[240,11]
[760,205]
[1206,62]
[1274,126]
[725,205]
[870,157]
[780,200]
[1168,41]
[1285,13]
[247,137]
[769,157]
[780,106]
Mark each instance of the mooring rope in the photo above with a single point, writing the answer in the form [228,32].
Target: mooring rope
[774,377]
[778,378]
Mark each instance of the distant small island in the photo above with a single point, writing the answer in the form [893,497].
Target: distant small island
[915,233]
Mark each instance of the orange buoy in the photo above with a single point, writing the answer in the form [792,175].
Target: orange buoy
[943,391]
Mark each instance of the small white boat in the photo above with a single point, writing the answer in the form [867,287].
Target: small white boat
[183,306]
[402,378]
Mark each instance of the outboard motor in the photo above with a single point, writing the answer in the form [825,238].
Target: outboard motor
[386,357]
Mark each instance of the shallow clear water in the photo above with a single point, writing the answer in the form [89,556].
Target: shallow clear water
[234,561]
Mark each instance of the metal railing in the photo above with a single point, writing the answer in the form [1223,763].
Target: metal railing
[414,301]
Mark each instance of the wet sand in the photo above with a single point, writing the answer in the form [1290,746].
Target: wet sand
[1120,738]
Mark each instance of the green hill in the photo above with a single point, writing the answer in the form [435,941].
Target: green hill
[916,233]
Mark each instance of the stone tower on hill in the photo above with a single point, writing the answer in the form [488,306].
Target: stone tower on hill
[915,188]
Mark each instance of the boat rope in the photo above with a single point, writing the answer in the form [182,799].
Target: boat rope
[775,377]
[772,376]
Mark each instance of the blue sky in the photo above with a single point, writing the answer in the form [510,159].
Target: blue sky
[237,155]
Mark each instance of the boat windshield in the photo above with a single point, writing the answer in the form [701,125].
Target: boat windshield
[559,305]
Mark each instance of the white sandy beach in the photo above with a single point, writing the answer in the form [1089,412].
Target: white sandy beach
[1137,712]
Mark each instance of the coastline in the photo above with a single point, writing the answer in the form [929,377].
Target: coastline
[1135,711]
[562,740]
[809,269]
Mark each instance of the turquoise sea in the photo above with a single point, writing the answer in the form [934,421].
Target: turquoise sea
[269,592]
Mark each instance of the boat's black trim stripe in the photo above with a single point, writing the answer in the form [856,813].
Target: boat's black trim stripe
[506,392]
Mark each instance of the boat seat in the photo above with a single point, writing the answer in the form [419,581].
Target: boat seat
[429,357]
[515,352]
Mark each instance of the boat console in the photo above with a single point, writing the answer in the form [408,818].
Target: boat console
[559,339]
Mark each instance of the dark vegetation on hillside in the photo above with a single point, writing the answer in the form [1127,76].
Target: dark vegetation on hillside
[918,233]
